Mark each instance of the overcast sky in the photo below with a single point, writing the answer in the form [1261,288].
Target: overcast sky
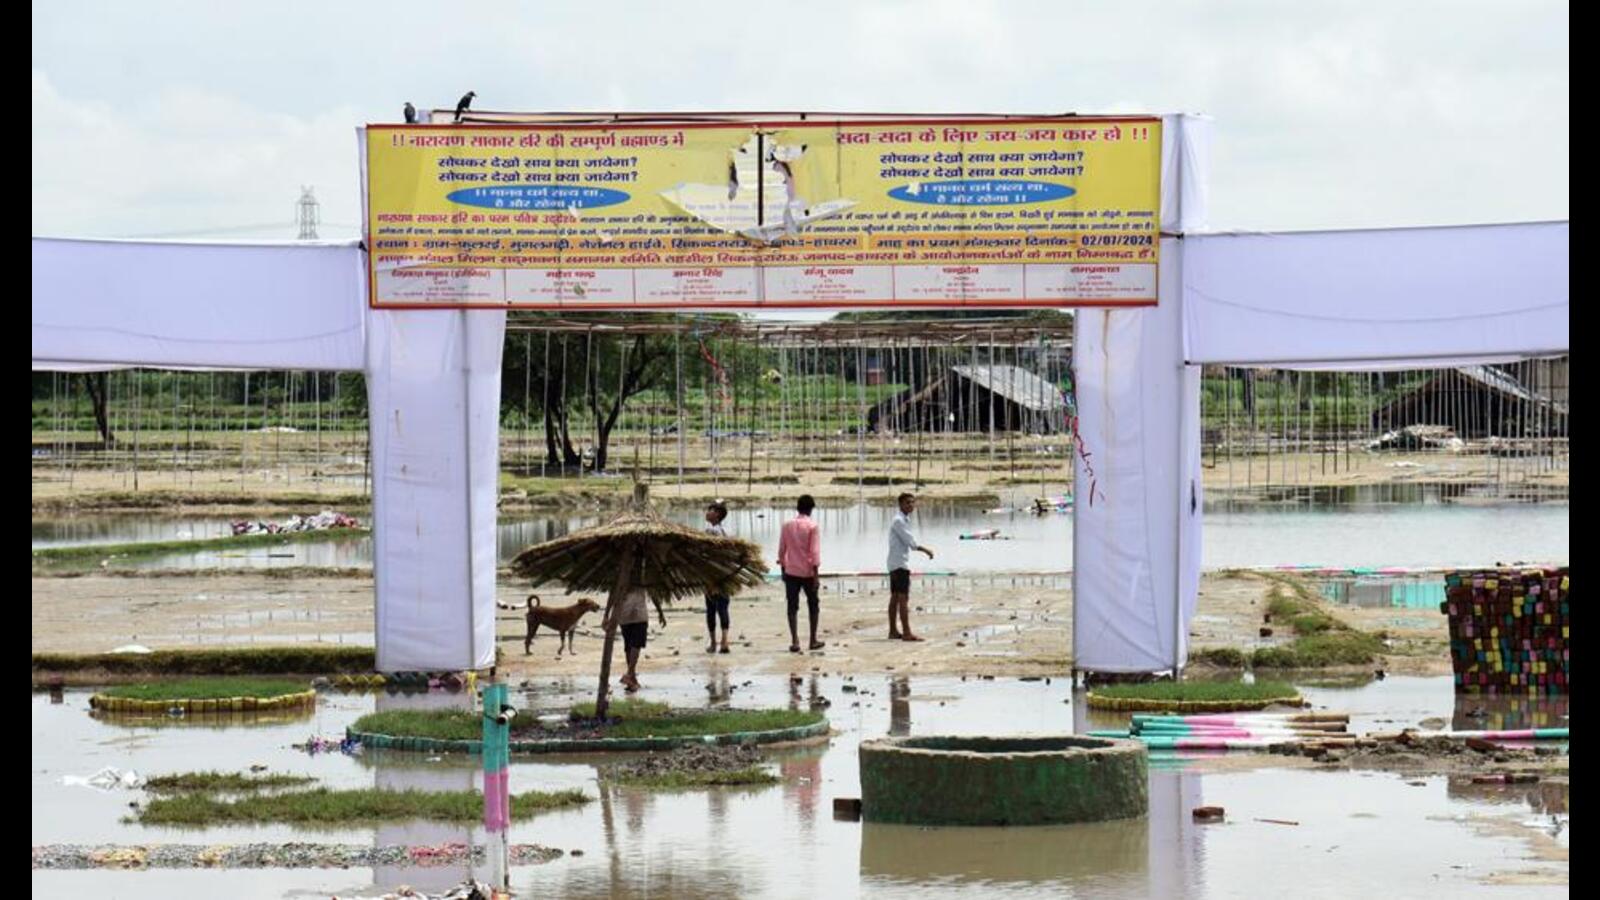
[204,119]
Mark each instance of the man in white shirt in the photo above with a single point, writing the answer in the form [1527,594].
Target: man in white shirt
[901,543]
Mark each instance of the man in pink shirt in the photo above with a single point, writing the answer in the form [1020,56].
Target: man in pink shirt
[799,557]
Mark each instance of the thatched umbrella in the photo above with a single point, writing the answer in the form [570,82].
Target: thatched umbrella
[677,561]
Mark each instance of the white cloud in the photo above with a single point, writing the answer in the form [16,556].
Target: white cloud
[184,160]
[1343,115]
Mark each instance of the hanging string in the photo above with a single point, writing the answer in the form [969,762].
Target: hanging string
[677,362]
[861,429]
[527,397]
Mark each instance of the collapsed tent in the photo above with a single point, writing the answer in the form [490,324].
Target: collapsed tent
[975,398]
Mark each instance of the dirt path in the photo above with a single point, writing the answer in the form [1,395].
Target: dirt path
[960,471]
[973,626]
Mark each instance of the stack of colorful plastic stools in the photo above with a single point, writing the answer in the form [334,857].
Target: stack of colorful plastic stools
[1509,630]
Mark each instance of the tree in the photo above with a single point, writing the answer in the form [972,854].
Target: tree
[637,372]
[96,383]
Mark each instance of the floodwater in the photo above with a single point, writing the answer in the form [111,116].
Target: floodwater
[1357,833]
[1377,526]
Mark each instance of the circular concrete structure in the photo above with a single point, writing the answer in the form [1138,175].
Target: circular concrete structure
[1019,780]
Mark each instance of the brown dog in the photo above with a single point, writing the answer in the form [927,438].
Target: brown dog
[564,619]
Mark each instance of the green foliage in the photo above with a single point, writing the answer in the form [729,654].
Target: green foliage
[237,661]
[1200,690]
[207,689]
[325,807]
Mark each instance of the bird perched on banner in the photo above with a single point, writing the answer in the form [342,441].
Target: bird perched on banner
[466,101]
[411,113]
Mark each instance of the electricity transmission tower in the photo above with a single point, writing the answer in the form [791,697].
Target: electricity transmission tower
[309,213]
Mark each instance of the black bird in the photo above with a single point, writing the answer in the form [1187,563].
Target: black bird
[466,101]
[411,113]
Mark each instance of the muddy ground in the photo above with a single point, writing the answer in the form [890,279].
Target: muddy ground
[993,626]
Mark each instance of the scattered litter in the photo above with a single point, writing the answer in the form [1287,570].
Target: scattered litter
[322,521]
[1208,813]
[348,746]
[1277,822]
[106,779]
[132,648]
[1505,779]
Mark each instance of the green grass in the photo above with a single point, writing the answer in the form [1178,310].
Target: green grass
[748,776]
[624,709]
[240,661]
[161,499]
[1199,690]
[717,722]
[208,689]
[439,724]
[221,782]
[1318,651]
[145,549]
[1291,600]
[638,719]
[1221,657]
[329,807]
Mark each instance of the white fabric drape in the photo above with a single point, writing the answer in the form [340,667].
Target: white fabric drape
[433,382]
[1137,497]
[1395,298]
[1185,164]
[433,388]
[169,304]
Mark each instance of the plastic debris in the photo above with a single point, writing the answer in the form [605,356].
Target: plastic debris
[322,521]
[349,746]
[106,779]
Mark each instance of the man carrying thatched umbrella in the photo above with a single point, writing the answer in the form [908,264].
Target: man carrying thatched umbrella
[633,616]
[639,549]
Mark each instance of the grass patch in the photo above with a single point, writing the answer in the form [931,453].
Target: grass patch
[713,722]
[1318,651]
[167,499]
[55,556]
[1221,657]
[238,661]
[754,775]
[440,724]
[637,719]
[207,689]
[329,807]
[221,782]
[624,709]
[1199,690]
[1291,600]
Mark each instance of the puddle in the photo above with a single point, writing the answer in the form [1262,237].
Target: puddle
[781,841]
[1352,533]
[1381,592]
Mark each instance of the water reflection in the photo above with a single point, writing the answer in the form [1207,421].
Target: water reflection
[900,707]
[1153,856]
[1350,527]
[1543,798]
[1500,712]
[1384,592]
[782,842]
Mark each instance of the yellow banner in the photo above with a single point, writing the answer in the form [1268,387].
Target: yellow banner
[914,213]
